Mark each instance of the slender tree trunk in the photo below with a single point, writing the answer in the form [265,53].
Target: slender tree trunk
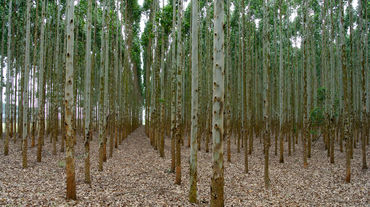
[34,115]
[101,98]
[7,137]
[217,180]
[305,104]
[363,34]
[25,94]
[179,95]
[68,100]
[194,104]
[106,116]
[87,93]
[1,77]
[41,84]
[244,92]
[162,84]
[266,90]
[55,87]
[281,86]
[228,88]
[345,93]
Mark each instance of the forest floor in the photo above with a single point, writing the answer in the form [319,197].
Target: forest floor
[137,176]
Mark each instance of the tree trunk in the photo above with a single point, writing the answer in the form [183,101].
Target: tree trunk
[266,90]
[179,95]
[363,35]
[87,94]
[41,110]
[7,137]
[345,94]
[1,77]
[194,104]
[68,100]
[101,98]
[305,104]
[281,87]
[25,92]
[217,180]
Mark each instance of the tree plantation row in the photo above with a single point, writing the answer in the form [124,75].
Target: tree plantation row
[283,74]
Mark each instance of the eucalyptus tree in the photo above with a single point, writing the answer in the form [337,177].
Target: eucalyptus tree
[179,93]
[305,104]
[87,132]
[266,90]
[363,42]
[351,75]
[68,99]
[162,109]
[106,117]
[281,86]
[228,84]
[194,102]
[173,86]
[57,85]
[41,85]
[8,66]
[34,89]
[25,92]
[102,94]
[1,72]
[244,89]
[217,180]
[347,119]
[331,96]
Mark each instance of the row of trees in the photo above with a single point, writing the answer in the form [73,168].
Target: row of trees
[65,62]
[286,72]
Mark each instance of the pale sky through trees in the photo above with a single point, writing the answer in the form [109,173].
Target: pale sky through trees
[296,41]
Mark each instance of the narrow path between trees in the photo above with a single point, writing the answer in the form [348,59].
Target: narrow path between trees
[137,176]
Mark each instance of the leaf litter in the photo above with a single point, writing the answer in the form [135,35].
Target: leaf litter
[137,176]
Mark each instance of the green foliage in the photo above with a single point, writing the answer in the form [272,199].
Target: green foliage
[166,19]
[314,132]
[336,107]
[317,116]
[186,22]
[321,95]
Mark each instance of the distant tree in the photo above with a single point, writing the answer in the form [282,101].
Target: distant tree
[87,132]
[26,81]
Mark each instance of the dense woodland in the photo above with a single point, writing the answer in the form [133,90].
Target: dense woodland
[229,80]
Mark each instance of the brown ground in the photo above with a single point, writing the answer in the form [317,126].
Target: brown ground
[137,176]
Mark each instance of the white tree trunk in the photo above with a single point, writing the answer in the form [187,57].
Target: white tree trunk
[9,57]
[87,93]
[217,181]
[194,103]
[68,101]
[25,92]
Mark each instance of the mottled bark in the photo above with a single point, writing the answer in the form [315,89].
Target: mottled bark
[194,104]
[217,180]
[179,94]
[8,66]
[87,94]
[68,101]
[41,84]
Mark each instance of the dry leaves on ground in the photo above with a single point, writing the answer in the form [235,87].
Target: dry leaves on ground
[137,176]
